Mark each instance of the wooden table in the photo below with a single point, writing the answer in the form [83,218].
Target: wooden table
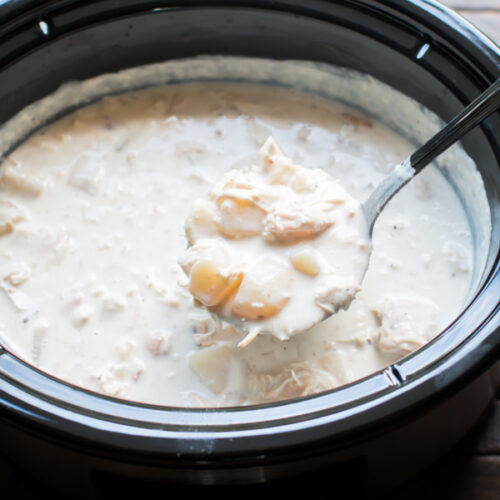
[484,14]
[471,471]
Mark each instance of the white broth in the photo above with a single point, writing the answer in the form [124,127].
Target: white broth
[92,214]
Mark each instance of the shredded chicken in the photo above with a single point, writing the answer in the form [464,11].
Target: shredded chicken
[292,381]
[405,324]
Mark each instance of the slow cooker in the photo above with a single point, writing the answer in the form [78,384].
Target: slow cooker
[365,437]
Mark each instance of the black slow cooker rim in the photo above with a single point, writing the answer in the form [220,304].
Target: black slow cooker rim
[79,425]
[21,15]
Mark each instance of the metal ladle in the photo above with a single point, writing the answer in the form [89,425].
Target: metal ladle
[479,109]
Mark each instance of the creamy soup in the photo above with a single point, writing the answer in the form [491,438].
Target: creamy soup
[92,227]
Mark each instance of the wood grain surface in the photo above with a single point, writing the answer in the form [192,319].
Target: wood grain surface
[484,14]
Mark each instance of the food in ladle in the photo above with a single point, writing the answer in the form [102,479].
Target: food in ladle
[268,248]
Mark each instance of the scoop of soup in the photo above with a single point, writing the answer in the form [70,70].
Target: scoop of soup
[268,249]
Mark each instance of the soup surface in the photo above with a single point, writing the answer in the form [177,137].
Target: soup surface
[92,226]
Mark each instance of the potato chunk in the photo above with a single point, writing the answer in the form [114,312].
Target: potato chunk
[213,271]
[264,291]
[240,218]
[306,261]
[209,285]
[212,366]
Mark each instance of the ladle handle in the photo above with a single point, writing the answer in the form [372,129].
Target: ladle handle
[479,109]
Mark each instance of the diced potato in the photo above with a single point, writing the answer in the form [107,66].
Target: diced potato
[305,260]
[10,215]
[202,221]
[264,291]
[21,182]
[212,366]
[212,249]
[240,218]
[213,273]
[209,285]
